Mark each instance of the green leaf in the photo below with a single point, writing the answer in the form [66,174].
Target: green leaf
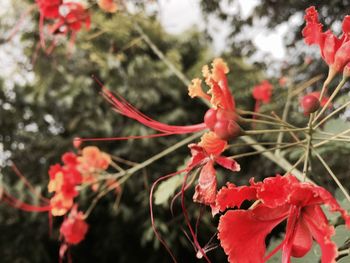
[336,125]
[341,235]
[166,189]
[344,260]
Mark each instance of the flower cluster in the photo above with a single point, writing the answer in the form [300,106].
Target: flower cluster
[75,170]
[67,17]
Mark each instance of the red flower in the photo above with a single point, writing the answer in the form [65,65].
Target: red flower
[63,181]
[49,8]
[242,233]
[206,154]
[335,51]
[222,117]
[263,92]
[74,227]
[72,17]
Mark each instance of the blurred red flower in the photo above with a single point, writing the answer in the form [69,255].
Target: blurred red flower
[335,51]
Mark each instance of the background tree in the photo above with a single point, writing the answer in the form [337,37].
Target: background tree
[39,120]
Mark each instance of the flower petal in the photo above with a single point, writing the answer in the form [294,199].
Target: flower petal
[302,241]
[232,196]
[321,231]
[242,233]
[206,189]
[198,155]
[274,191]
[228,163]
[212,144]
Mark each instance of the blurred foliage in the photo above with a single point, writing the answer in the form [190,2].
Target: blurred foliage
[38,121]
[271,14]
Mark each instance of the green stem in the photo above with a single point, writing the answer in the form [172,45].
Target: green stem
[333,175]
[331,138]
[332,114]
[246,112]
[160,54]
[279,160]
[284,117]
[308,146]
[335,92]
[128,173]
[261,121]
[295,165]
[265,150]
[254,132]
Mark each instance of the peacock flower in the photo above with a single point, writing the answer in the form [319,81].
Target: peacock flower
[91,163]
[263,92]
[72,230]
[60,204]
[72,17]
[335,51]
[74,227]
[49,9]
[63,182]
[222,119]
[242,233]
[205,154]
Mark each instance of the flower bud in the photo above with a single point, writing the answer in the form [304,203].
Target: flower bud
[226,115]
[210,119]
[310,104]
[77,142]
[227,130]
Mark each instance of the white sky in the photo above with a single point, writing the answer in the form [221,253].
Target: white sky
[179,15]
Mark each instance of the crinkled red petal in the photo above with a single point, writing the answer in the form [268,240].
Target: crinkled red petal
[274,191]
[232,196]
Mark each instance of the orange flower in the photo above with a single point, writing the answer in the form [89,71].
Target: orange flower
[60,204]
[92,160]
[108,5]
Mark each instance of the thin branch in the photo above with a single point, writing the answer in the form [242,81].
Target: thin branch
[335,92]
[284,117]
[265,150]
[332,114]
[333,175]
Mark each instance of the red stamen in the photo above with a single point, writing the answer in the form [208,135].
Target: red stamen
[195,240]
[12,201]
[29,185]
[124,138]
[161,240]
[125,108]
